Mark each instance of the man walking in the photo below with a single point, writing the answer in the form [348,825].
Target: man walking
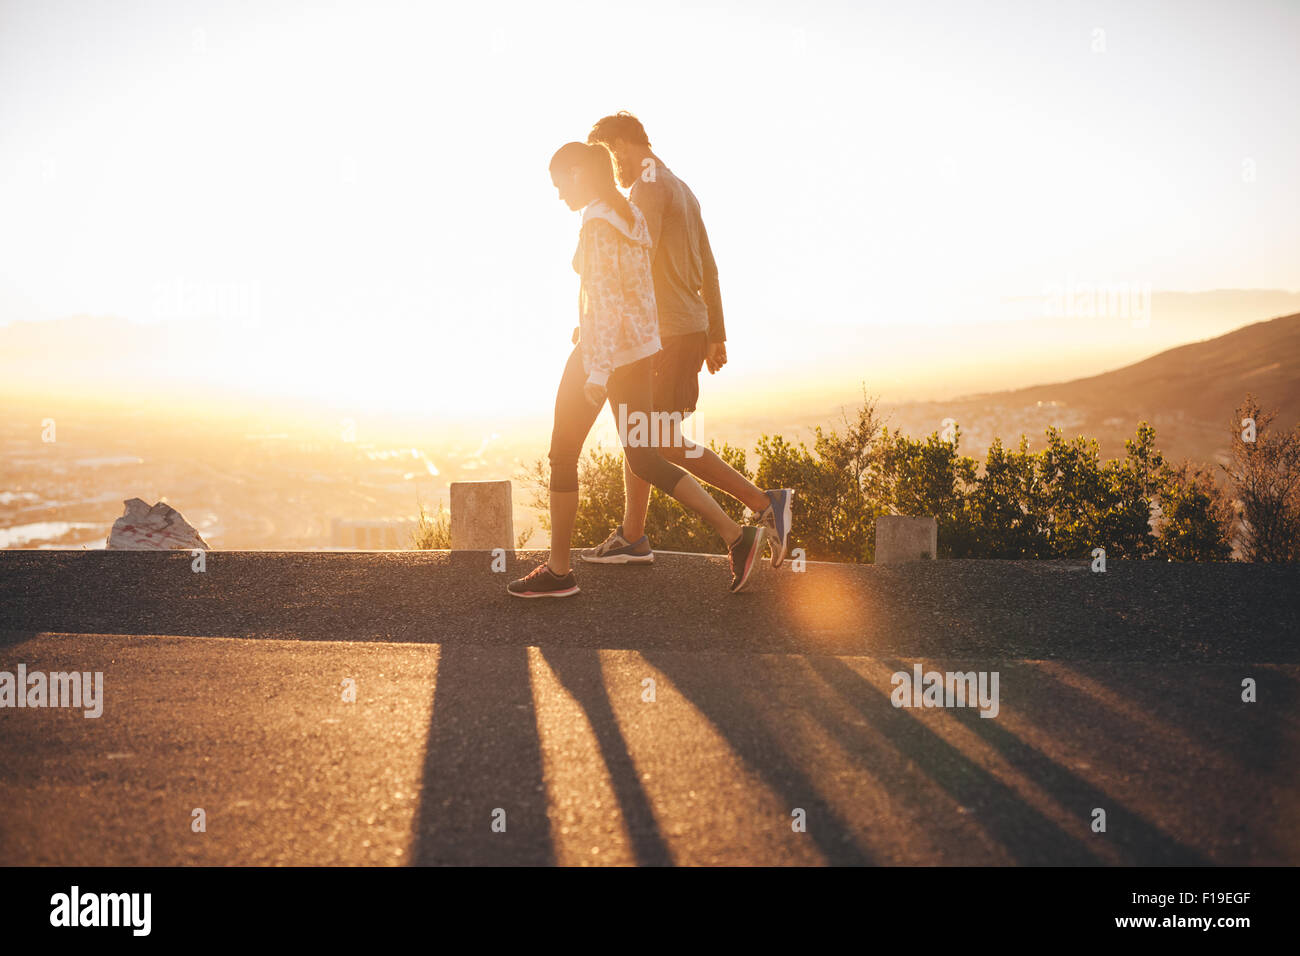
[692,333]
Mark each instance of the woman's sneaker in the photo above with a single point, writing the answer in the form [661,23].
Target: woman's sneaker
[776,518]
[541,581]
[616,549]
[744,556]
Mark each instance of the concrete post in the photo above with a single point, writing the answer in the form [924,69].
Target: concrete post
[902,538]
[482,516]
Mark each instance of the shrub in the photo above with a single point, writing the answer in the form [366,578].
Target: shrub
[1060,502]
[1266,475]
[433,534]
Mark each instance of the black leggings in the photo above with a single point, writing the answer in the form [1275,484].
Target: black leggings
[630,386]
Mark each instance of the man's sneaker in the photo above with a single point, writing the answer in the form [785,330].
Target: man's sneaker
[541,581]
[776,518]
[616,549]
[744,555]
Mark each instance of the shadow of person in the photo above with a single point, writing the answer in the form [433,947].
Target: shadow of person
[1141,841]
[1023,830]
[579,670]
[724,690]
[483,799]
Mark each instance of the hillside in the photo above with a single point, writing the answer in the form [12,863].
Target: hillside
[1189,394]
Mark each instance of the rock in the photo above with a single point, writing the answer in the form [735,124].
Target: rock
[160,528]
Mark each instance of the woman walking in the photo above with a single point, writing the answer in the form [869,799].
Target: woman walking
[613,361]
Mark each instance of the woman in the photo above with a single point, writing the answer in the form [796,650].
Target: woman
[614,361]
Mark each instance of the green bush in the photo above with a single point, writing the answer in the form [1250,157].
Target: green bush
[840,487]
[1060,502]
[600,503]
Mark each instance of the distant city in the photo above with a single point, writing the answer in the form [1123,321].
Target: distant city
[281,492]
[241,492]
[249,480]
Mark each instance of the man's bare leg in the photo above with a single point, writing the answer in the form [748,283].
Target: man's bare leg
[700,461]
[704,464]
[693,496]
[636,502]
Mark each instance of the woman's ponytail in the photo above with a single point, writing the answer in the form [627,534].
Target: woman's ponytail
[603,180]
[597,166]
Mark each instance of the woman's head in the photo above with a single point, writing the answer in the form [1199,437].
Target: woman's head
[584,172]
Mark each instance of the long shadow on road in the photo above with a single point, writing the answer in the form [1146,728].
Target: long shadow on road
[725,695]
[581,674]
[482,755]
[1128,830]
[1021,829]
[1190,727]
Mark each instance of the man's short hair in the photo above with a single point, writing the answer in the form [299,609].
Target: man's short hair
[623,125]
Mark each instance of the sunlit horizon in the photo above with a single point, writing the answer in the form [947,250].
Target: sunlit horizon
[348,204]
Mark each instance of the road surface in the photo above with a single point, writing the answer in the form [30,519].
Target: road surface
[654,719]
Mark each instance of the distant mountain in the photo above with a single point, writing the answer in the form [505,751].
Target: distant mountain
[1203,380]
[1188,393]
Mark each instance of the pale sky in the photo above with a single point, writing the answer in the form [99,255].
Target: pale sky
[357,195]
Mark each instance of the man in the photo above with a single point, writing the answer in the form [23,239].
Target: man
[691,329]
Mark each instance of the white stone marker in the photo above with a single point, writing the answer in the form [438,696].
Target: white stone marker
[481,516]
[901,538]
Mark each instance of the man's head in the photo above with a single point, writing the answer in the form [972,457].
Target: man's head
[625,138]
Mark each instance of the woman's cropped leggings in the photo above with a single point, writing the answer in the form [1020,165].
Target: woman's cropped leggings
[629,392]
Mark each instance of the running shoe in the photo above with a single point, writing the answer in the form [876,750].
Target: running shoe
[744,555]
[541,582]
[776,518]
[616,549]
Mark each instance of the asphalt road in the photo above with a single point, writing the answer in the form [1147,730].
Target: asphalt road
[224,692]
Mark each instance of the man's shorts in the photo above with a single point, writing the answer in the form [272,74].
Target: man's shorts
[677,372]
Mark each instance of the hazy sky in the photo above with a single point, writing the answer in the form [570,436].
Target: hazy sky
[357,193]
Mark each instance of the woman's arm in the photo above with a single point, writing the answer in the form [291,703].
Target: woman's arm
[601,300]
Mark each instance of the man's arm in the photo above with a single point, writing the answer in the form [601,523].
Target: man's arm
[649,198]
[711,292]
